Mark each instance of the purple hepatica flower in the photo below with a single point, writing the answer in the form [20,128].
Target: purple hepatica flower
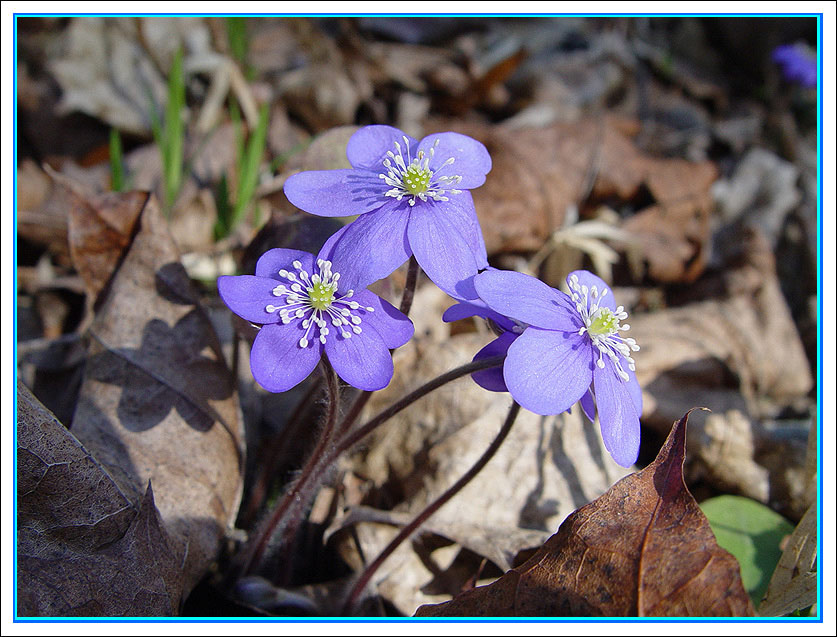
[412,198]
[506,329]
[798,64]
[572,350]
[306,309]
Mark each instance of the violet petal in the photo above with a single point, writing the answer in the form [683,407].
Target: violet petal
[547,372]
[277,361]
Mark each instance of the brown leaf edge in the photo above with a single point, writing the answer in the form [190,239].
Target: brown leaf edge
[644,548]
[83,548]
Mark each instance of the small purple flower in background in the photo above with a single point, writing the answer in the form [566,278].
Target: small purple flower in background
[798,62]
[412,198]
[306,309]
[571,350]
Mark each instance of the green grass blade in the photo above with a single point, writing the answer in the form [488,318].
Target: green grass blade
[173,132]
[117,172]
[249,168]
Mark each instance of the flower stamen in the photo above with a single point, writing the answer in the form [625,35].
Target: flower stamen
[313,299]
[412,177]
[602,326]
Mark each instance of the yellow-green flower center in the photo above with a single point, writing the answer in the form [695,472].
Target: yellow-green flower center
[311,301]
[411,177]
[603,326]
[604,323]
[416,179]
[321,296]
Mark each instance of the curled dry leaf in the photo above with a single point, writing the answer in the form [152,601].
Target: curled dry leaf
[84,547]
[100,229]
[158,402]
[674,232]
[642,549]
[739,354]
[794,582]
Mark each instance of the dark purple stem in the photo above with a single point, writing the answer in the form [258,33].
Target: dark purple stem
[409,286]
[254,555]
[434,506]
[328,451]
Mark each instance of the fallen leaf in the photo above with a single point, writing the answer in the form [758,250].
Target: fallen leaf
[84,548]
[539,174]
[674,233]
[642,549]
[158,401]
[113,66]
[100,230]
[794,583]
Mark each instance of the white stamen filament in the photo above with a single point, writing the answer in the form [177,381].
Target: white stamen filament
[312,298]
[602,326]
[412,177]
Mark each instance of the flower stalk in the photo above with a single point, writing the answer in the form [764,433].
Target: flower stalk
[329,449]
[434,506]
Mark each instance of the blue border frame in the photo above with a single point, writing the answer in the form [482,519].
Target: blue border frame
[818,619]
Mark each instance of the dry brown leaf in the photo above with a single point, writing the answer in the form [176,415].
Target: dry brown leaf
[41,209]
[642,549]
[674,233]
[539,173]
[158,402]
[84,547]
[100,229]
[794,582]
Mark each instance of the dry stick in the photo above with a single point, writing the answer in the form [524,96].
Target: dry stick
[434,506]
[254,555]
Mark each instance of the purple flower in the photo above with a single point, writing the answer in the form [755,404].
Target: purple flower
[798,64]
[506,329]
[306,308]
[412,198]
[571,350]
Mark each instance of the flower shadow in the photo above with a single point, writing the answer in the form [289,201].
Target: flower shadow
[177,367]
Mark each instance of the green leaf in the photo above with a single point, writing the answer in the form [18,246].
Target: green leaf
[752,533]
[239,42]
